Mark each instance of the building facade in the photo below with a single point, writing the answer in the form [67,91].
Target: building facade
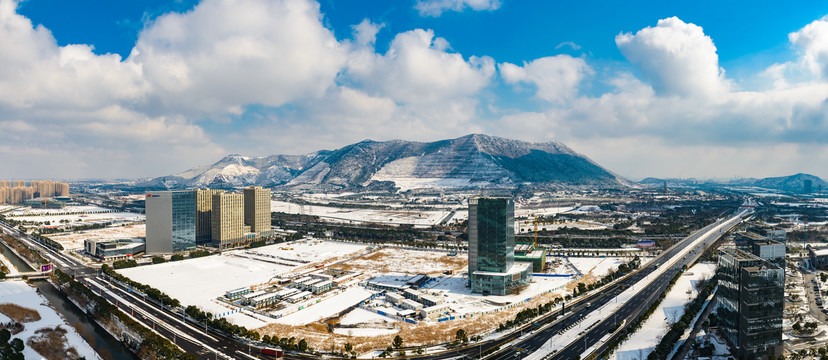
[492,266]
[750,303]
[171,221]
[227,219]
[257,209]
[204,214]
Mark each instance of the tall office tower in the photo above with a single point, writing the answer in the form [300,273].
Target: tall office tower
[171,221]
[228,219]
[204,214]
[61,189]
[257,209]
[750,303]
[492,266]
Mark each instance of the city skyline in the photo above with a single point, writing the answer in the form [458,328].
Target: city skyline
[669,91]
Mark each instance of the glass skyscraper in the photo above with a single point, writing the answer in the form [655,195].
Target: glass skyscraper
[492,267]
[750,303]
[171,221]
[183,220]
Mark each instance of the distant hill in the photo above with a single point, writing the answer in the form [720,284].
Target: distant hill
[470,161]
[793,183]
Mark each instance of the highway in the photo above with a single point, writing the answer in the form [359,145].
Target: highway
[522,343]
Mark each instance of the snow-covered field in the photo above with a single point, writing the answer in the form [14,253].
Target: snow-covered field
[209,277]
[330,306]
[21,293]
[75,240]
[402,216]
[76,215]
[640,344]
[598,267]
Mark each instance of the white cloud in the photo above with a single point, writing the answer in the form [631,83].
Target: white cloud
[224,54]
[677,58]
[437,7]
[418,68]
[812,41]
[569,44]
[556,77]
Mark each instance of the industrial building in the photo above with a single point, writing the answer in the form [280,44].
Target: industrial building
[171,221]
[321,287]
[394,298]
[492,266]
[263,300]
[750,303]
[110,249]
[257,209]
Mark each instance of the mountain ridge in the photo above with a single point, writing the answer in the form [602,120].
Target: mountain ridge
[474,160]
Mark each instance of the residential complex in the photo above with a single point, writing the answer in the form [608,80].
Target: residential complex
[16,192]
[492,266]
[750,303]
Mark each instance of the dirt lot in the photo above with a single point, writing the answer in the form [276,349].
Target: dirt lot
[393,260]
[51,343]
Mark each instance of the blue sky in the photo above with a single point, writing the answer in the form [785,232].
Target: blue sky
[645,88]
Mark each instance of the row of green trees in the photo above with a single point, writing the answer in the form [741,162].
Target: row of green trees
[220,324]
[153,346]
[668,341]
[150,291]
[288,343]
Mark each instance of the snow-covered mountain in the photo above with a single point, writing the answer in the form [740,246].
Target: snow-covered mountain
[467,162]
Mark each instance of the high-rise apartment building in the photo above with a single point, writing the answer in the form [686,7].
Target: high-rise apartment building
[16,192]
[750,303]
[227,219]
[204,214]
[492,266]
[171,221]
[257,209]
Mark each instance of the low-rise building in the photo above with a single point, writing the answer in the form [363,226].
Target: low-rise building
[299,297]
[236,294]
[322,287]
[819,256]
[434,312]
[412,294]
[394,298]
[410,305]
[264,300]
[113,249]
[284,293]
[248,298]
[309,284]
[429,300]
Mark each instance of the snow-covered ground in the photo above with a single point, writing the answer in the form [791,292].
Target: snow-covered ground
[598,267]
[74,240]
[597,315]
[77,215]
[640,344]
[401,216]
[314,311]
[23,294]
[210,277]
